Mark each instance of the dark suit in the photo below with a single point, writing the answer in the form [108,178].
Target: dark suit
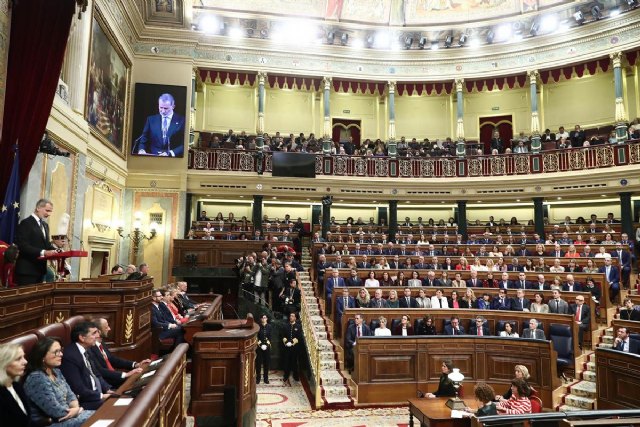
[381,303]
[613,279]
[448,330]
[505,304]
[404,304]
[350,341]
[340,306]
[161,317]
[31,242]
[397,330]
[585,320]
[518,305]
[152,142]
[538,334]
[477,284]
[485,330]
[576,287]
[112,377]
[519,284]
[10,412]
[78,376]
[355,282]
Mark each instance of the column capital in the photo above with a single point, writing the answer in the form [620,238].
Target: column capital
[262,75]
[459,83]
[326,80]
[616,59]
[533,76]
[391,84]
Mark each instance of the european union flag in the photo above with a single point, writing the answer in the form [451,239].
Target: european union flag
[10,212]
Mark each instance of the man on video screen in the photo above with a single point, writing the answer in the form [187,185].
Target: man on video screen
[163,133]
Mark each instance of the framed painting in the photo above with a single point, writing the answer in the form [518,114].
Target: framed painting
[108,77]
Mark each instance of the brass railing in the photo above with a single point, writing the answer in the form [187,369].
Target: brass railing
[311,342]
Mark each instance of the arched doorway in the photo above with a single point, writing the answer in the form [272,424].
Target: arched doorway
[503,124]
[342,129]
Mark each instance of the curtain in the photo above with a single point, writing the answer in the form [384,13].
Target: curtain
[39,33]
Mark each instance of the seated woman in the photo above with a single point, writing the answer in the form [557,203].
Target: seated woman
[423,300]
[444,280]
[426,327]
[169,297]
[386,279]
[393,299]
[415,280]
[591,267]
[404,328]
[539,306]
[14,405]
[371,281]
[463,264]
[445,385]
[469,299]
[520,372]
[519,402]
[400,281]
[49,394]
[508,331]
[382,330]
[454,300]
[363,298]
[484,394]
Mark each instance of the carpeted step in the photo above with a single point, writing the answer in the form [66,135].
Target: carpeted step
[607,339]
[603,345]
[328,365]
[589,376]
[591,366]
[325,345]
[608,331]
[332,378]
[583,389]
[335,391]
[580,402]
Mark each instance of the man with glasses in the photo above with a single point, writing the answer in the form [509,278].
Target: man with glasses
[532,332]
[582,316]
[162,318]
[83,377]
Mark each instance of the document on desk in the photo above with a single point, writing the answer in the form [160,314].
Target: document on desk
[148,374]
[102,423]
[457,414]
[155,362]
[123,402]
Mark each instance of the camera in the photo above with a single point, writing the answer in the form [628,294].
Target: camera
[48,147]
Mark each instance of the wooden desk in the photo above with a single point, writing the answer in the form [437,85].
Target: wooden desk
[434,413]
[210,312]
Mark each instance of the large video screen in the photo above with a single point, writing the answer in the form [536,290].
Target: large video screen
[159,117]
[298,165]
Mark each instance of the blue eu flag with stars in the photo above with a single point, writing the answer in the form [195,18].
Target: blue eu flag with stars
[10,210]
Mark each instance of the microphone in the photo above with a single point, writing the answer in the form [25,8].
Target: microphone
[134,150]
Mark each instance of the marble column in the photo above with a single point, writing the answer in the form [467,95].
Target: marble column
[192,115]
[260,126]
[538,216]
[535,120]
[326,215]
[326,124]
[392,146]
[5,34]
[74,69]
[461,147]
[626,215]
[462,218]
[621,114]
[256,212]
[393,219]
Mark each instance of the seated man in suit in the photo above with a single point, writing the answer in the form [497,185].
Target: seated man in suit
[334,281]
[624,343]
[504,282]
[377,301]
[407,301]
[612,275]
[481,328]
[522,282]
[540,285]
[557,304]
[520,303]
[354,331]
[454,327]
[532,332]
[354,280]
[162,318]
[107,363]
[582,316]
[502,301]
[83,378]
[624,261]
[571,285]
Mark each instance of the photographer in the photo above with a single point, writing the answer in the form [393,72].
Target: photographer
[261,272]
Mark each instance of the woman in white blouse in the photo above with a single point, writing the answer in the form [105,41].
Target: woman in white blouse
[508,331]
[382,330]
[423,300]
[371,281]
[439,300]
[415,280]
[556,267]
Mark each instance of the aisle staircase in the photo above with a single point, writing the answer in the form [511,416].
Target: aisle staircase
[333,389]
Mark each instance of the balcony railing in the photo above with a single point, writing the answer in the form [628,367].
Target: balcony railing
[594,157]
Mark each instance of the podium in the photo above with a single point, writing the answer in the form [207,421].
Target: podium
[61,257]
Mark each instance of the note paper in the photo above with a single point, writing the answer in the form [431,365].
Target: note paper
[456,413]
[148,374]
[155,362]
[102,423]
[123,402]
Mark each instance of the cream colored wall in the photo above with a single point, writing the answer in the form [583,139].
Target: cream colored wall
[514,102]
[341,213]
[288,111]
[522,213]
[557,212]
[221,107]
[631,85]
[588,101]
[423,117]
[238,209]
[294,210]
[425,213]
[361,107]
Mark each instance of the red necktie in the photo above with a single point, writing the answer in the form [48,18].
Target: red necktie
[578,310]
[106,359]
[479,331]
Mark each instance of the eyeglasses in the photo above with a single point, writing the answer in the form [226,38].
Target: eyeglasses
[56,352]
